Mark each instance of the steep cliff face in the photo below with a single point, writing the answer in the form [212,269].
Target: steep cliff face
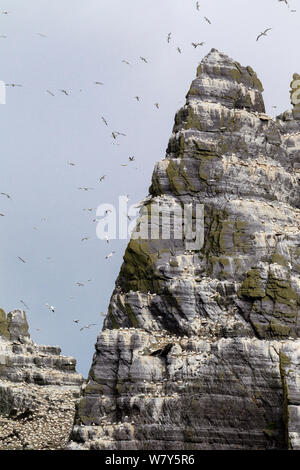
[38,389]
[200,348]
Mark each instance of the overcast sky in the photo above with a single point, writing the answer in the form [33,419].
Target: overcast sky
[86,41]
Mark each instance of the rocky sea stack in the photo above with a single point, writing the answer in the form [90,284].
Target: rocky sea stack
[200,349]
[38,389]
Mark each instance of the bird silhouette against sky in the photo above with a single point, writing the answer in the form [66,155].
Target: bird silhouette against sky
[13,85]
[88,326]
[264,33]
[50,307]
[284,1]
[6,195]
[196,44]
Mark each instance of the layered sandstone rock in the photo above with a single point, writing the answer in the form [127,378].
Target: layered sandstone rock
[200,348]
[38,389]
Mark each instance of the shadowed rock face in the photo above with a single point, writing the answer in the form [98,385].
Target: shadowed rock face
[200,349]
[38,389]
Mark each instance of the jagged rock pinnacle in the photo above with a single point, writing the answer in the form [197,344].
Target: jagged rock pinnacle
[200,349]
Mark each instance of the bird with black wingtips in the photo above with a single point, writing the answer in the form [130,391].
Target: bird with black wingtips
[88,326]
[196,44]
[284,1]
[13,85]
[264,33]
[51,307]
[6,195]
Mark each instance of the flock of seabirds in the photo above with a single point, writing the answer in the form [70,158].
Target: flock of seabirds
[115,135]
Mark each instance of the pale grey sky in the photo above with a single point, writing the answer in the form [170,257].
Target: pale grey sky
[85,42]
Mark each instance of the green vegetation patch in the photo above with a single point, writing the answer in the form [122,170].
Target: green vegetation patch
[137,272]
[279,259]
[3,324]
[282,292]
[252,286]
